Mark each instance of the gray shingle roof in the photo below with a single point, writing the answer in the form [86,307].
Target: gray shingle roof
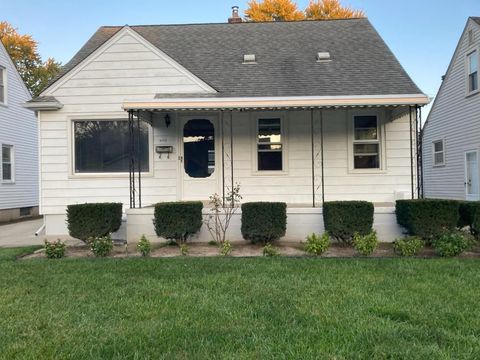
[362,64]
[476,19]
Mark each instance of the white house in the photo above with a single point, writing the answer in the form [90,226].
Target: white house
[300,112]
[18,146]
[451,138]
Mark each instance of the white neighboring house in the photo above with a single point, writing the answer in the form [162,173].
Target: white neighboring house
[300,112]
[19,146]
[451,136]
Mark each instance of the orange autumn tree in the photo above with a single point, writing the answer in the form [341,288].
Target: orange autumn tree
[23,50]
[330,9]
[287,10]
[273,10]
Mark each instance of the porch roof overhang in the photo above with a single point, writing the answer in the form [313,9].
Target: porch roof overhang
[274,103]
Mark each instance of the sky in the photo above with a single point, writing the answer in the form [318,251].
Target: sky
[421,33]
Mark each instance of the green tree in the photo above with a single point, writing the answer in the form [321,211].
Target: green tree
[23,50]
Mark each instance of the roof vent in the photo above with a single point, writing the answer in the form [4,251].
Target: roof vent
[249,59]
[323,56]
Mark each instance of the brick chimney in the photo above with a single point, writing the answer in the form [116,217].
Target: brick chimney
[235,19]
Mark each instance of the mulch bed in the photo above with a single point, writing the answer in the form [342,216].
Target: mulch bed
[385,250]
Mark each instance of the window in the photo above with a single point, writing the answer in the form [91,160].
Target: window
[103,146]
[366,142]
[269,145]
[3,80]
[199,148]
[439,152]
[472,67]
[7,163]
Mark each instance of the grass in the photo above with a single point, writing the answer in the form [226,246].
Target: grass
[190,308]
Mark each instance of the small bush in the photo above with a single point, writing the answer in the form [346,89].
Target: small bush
[55,249]
[452,243]
[101,246]
[344,218]
[144,246]
[184,249]
[427,218]
[213,243]
[264,222]
[365,244]
[317,245]
[408,246]
[226,248]
[269,250]
[178,220]
[86,221]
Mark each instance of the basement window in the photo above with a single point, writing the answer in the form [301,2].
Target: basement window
[438,147]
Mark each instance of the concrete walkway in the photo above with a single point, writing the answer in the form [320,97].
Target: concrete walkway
[21,234]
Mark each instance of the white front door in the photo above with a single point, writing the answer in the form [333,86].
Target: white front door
[472,183]
[200,166]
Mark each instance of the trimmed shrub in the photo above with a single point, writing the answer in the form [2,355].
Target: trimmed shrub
[144,246]
[93,220]
[55,249]
[317,245]
[344,218]
[184,249]
[264,222]
[101,246]
[452,243]
[365,244]
[427,218]
[270,251]
[408,246]
[178,220]
[469,212]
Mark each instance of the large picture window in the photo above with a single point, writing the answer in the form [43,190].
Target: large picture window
[366,142]
[102,146]
[269,145]
[472,67]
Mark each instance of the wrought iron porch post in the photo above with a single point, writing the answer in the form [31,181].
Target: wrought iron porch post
[139,165]
[411,153]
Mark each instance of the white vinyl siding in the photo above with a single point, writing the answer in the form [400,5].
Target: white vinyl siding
[18,129]
[456,116]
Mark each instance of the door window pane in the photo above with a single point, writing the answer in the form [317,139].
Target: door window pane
[269,145]
[104,146]
[199,148]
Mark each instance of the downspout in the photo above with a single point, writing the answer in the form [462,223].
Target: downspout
[222,120]
[321,152]
[231,152]
[411,153]
[139,167]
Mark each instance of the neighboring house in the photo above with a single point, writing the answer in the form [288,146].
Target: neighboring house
[300,112]
[451,136]
[18,146]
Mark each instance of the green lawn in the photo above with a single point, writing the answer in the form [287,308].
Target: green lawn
[190,308]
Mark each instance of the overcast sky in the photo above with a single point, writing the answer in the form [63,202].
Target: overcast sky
[421,33]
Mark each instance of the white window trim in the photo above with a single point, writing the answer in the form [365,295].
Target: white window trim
[255,116]
[12,163]
[443,163]
[5,85]
[381,141]
[467,71]
[71,143]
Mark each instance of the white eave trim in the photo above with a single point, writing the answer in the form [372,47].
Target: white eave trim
[45,106]
[276,102]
